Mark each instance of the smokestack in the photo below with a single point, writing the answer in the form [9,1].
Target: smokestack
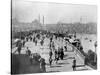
[39,18]
[80,19]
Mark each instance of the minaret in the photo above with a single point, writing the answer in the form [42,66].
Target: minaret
[43,20]
[44,25]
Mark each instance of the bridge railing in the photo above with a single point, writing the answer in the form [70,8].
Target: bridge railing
[77,51]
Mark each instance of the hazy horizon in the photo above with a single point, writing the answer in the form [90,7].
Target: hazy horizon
[27,11]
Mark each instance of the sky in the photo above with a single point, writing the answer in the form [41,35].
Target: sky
[28,11]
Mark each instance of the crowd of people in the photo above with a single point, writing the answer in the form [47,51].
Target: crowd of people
[55,54]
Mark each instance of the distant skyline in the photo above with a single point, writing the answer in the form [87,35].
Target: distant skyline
[28,11]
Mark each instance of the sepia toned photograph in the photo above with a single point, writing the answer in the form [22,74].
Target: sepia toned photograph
[51,37]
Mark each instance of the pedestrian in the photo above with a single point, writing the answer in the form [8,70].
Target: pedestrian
[19,50]
[30,38]
[59,53]
[24,43]
[42,65]
[34,39]
[56,56]
[19,47]
[28,52]
[27,39]
[65,48]
[31,59]
[41,42]
[50,61]
[50,54]
[74,65]
[62,53]
[52,46]
[51,39]
[35,42]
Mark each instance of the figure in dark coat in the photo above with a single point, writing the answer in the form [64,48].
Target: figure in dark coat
[28,52]
[19,47]
[62,54]
[56,56]
[50,61]
[42,65]
[74,64]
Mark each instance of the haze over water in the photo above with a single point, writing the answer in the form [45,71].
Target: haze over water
[28,11]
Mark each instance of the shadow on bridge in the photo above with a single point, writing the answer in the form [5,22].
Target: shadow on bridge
[55,66]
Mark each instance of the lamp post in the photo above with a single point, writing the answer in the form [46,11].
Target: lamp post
[95,44]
